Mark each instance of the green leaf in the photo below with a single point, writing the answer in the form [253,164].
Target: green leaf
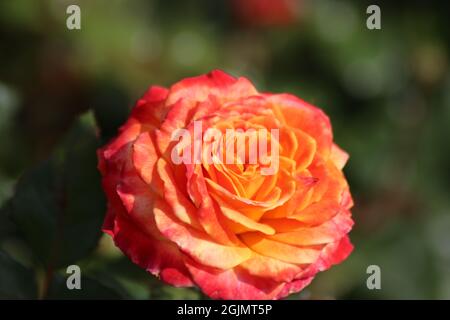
[58,207]
[6,226]
[16,281]
[110,102]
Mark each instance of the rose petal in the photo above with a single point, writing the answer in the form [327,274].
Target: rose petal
[244,222]
[232,283]
[208,212]
[197,244]
[294,287]
[338,156]
[327,232]
[266,267]
[299,114]
[161,258]
[278,250]
[216,83]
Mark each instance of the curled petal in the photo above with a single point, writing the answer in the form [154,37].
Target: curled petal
[338,156]
[233,283]
[266,267]
[216,83]
[144,157]
[160,258]
[243,222]
[208,212]
[294,287]
[201,248]
[280,251]
[297,113]
[181,206]
[330,231]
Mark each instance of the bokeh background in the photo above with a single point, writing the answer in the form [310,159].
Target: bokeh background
[63,92]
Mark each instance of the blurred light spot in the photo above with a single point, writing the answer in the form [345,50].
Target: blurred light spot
[248,55]
[6,188]
[146,45]
[445,286]
[188,48]
[408,110]
[439,235]
[8,102]
[336,20]
[429,63]
[363,78]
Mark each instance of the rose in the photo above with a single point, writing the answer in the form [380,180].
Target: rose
[226,228]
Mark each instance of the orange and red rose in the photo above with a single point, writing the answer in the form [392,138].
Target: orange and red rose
[226,227]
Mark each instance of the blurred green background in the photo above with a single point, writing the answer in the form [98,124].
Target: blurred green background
[386,91]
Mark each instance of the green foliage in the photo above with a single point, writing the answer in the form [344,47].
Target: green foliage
[58,206]
[111,108]
[57,210]
[16,281]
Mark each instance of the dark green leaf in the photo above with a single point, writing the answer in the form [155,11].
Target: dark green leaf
[111,107]
[16,281]
[58,207]
[6,226]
